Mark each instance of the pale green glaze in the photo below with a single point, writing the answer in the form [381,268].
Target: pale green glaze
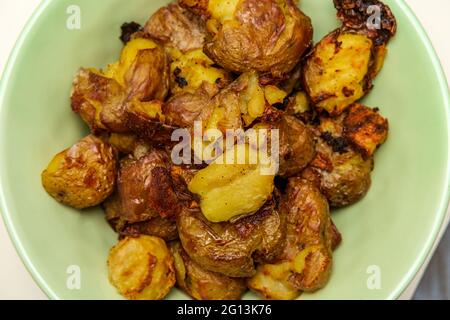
[393,227]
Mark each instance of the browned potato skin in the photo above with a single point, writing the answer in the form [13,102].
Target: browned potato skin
[342,174]
[148,77]
[164,228]
[297,146]
[146,189]
[309,223]
[260,39]
[201,284]
[177,27]
[309,227]
[100,101]
[84,175]
[366,129]
[232,248]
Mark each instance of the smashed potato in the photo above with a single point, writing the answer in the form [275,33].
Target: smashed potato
[342,66]
[141,268]
[306,261]
[228,189]
[190,70]
[177,27]
[201,284]
[82,176]
[251,35]
[233,248]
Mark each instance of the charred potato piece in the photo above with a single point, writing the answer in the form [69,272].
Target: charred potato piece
[232,248]
[306,261]
[189,71]
[82,176]
[297,147]
[228,190]
[146,188]
[365,128]
[177,27]
[342,174]
[99,100]
[342,66]
[201,284]
[125,143]
[141,268]
[143,70]
[267,36]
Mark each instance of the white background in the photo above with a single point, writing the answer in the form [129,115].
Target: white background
[15,282]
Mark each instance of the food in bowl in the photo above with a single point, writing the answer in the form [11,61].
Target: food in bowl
[283,140]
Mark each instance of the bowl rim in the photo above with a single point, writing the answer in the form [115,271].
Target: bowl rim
[444,206]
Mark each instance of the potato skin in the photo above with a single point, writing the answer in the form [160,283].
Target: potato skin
[297,146]
[146,189]
[306,261]
[177,27]
[141,268]
[82,176]
[232,248]
[201,284]
[266,36]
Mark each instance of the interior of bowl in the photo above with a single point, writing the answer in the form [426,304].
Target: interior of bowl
[389,232]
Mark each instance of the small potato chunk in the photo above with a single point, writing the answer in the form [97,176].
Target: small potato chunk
[306,261]
[141,268]
[229,190]
[143,70]
[82,176]
[201,284]
[177,27]
[365,128]
[336,74]
[189,71]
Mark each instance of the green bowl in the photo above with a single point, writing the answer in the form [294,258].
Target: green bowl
[387,236]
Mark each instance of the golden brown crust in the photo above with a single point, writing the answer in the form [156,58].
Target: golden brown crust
[177,27]
[232,248]
[201,284]
[82,176]
[267,36]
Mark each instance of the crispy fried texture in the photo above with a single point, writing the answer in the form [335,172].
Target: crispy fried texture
[342,66]
[99,100]
[201,284]
[365,128]
[297,147]
[141,268]
[305,264]
[232,248]
[177,27]
[146,188]
[82,176]
[268,36]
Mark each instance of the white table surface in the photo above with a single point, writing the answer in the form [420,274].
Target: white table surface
[15,282]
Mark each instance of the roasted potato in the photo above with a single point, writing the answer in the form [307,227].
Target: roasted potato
[297,146]
[232,248]
[82,176]
[201,284]
[164,228]
[125,143]
[189,71]
[232,189]
[342,66]
[306,261]
[365,128]
[100,101]
[267,36]
[177,27]
[146,188]
[142,268]
[342,174]
[143,70]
